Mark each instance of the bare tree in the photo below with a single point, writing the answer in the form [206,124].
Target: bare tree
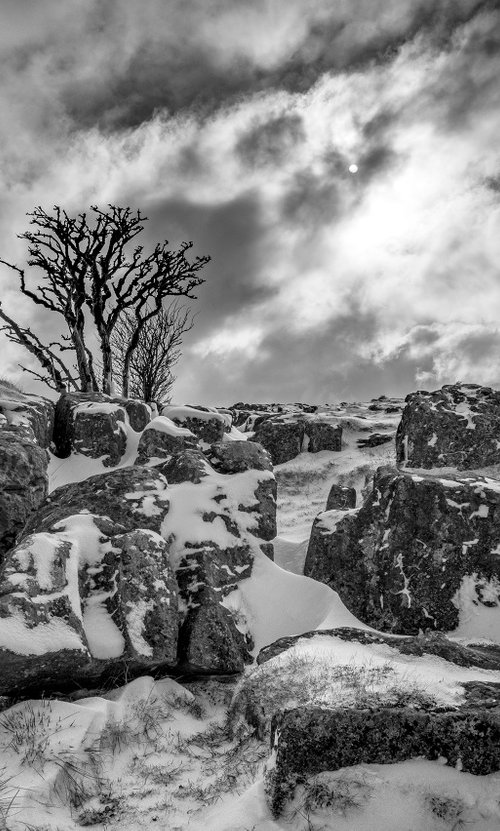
[147,369]
[92,269]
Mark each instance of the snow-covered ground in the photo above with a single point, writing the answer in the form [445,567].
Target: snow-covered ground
[160,754]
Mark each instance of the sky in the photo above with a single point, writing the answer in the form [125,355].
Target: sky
[239,124]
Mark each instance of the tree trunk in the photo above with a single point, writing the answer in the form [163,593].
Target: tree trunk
[107,364]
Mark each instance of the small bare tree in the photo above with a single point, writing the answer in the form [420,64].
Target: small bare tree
[147,369]
[93,270]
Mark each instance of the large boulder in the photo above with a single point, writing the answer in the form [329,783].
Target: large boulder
[237,456]
[340,498]
[484,656]
[217,523]
[323,435]
[23,482]
[207,423]
[456,426]
[209,640]
[309,740]
[82,600]
[421,551]
[162,439]
[282,438]
[133,497]
[90,424]
[31,412]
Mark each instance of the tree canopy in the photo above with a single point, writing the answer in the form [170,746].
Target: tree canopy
[91,272]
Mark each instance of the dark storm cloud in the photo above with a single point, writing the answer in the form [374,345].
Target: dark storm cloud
[312,366]
[115,65]
[233,234]
[270,142]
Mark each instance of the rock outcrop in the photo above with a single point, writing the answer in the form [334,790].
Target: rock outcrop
[162,439]
[208,424]
[419,550]
[457,426]
[484,656]
[93,424]
[285,436]
[83,600]
[341,498]
[309,740]
[23,482]
[216,524]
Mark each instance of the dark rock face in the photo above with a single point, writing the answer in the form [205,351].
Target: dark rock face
[133,497]
[323,435]
[163,439]
[400,561]
[375,440]
[341,498]
[188,466]
[90,424]
[432,643]
[229,517]
[208,425]
[237,456]
[139,413]
[34,413]
[309,740]
[78,601]
[23,482]
[209,640]
[456,426]
[282,439]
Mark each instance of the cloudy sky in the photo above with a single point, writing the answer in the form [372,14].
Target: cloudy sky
[234,123]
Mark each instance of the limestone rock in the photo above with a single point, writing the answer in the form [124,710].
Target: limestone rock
[237,456]
[323,435]
[484,656]
[31,412]
[81,598]
[209,640]
[215,528]
[206,423]
[133,497]
[309,740]
[418,551]
[90,424]
[281,438]
[456,426]
[341,498]
[186,466]
[23,482]
[162,438]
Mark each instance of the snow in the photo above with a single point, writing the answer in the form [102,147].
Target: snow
[185,412]
[477,621]
[159,730]
[162,424]
[277,603]
[99,407]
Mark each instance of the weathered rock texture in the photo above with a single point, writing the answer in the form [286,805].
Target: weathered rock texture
[31,412]
[213,542]
[281,438]
[206,423]
[93,424]
[23,482]
[484,656]
[323,435]
[412,553]
[83,598]
[456,426]
[133,497]
[309,740]
[341,498]
[285,436]
[162,439]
